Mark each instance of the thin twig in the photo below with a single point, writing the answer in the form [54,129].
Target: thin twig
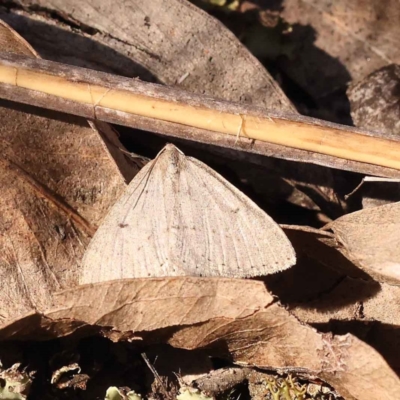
[156,375]
[117,99]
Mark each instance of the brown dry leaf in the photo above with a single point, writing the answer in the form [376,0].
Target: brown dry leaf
[176,41]
[319,267]
[366,308]
[371,240]
[319,290]
[353,299]
[274,338]
[57,182]
[375,101]
[238,316]
[152,303]
[374,191]
[142,305]
[322,246]
[350,39]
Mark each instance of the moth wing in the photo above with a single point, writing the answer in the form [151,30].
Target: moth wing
[179,217]
[133,238]
[221,231]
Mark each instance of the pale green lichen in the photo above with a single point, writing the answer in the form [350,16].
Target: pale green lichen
[14,384]
[113,393]
[286,389]
[187,393]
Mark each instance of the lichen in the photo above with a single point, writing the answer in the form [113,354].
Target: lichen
[187,393]
[114,393]
[14,384]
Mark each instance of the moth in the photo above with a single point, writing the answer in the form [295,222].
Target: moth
[180,217]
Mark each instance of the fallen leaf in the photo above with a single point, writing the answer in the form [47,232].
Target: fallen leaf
[351,300]
[232,316]
[57,182]
[374,191]
[320,266]
[181,50]
[141,305]
[322,246]
[340,41]
[375,102]
[367,309]
[371,240]
[274,338]
[153,303]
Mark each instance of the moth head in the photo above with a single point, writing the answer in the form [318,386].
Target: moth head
[172,158]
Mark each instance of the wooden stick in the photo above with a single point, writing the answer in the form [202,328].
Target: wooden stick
[95,94]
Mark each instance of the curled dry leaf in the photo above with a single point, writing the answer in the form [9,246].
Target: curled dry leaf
[179,217]
[371,239]
[69,376]
[57,181]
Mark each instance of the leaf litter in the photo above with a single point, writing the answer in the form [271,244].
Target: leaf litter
[138,307]
[232,319]
[51,189]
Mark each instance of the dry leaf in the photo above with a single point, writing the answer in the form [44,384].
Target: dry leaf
[319,267]
[274,338]
[173,39]
[320,245]
[351,300]
[142,305]
[375,100]
[57,182]
[371,239]
[179,217]
[231,315]
[153,303]
[340,40]
[366,308]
